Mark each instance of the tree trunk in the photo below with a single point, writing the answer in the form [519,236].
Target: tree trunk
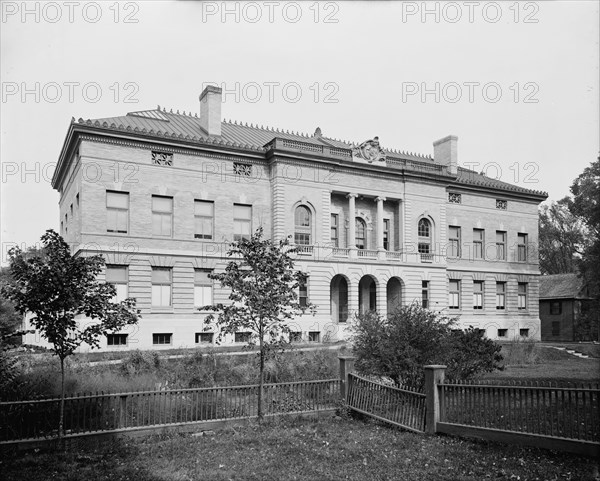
[261,379]
[62,402]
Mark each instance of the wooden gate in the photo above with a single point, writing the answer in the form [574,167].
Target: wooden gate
[404,408]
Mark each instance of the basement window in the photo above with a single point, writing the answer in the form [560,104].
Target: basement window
[454,198]
[204,337]
[116,339]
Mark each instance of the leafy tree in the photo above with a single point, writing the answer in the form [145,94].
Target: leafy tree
[264,296]
[586,206]
[57,290]
[399,346]
[561,238]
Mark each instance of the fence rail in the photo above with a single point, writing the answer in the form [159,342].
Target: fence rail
[564,412]
[106,412]
[401,407]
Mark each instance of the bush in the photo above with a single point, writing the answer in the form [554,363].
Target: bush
[399,346]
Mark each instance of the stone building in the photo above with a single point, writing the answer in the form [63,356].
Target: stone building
[160,194]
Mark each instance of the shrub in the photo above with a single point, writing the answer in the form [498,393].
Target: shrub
[399,346]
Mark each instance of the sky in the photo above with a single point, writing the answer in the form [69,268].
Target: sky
[517,82]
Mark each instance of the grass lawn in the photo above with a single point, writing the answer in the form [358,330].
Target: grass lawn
[537,362]
[290,449]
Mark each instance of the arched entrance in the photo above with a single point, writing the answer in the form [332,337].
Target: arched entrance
[394,294]
[338,295]
[367,294]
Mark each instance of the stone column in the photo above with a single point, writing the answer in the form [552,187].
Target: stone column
[351,240]
[379,201]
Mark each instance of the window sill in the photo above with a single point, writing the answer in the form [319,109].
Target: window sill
[161,310]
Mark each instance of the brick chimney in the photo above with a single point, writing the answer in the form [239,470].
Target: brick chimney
[210,110]
[445,152]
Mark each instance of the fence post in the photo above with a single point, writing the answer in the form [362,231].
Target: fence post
[346,367]
[434,375]
[122,411]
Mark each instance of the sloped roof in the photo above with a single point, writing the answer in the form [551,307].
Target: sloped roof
[561,286]
[186,126]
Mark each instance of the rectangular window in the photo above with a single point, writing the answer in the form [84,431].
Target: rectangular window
[71,209]
[454,294]
[204,337]
[242,222]
[500,295]
[522,295]
[425,294]
[502,332]
[118,277]
[295,336]
[314,336]
[303,294]
[77,200]
[162,338]
[500,245]
[203,288]
[522,247]
[386,234]
[423,248]
[204,216]
[162,215]
[477,294]
[242,336]
[478,242]
[556,328]
[555,308]
[116,339]
[454,241]
[117,212]
[335,235]
[524,332]
[161,287]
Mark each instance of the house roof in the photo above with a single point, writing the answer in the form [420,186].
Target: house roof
[186,126]
[561,286]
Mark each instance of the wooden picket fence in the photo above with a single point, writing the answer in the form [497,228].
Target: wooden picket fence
[402,407]
[96,413]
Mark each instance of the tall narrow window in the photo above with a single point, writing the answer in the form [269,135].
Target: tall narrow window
[302,230]
[361,234]
[203,219]
[424,231]
[500,295]
[477,294]
[162,215]
[117,211]
[242,222]
[161,287]
[303,294]
[478,241]
[203,288]
[425,294]
[522,295]
[454,241]
[386,234]
[500,245]
[335,232]
[117,276]
[454,294]
[522,247]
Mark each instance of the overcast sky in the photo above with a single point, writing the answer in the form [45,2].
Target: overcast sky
[516,82]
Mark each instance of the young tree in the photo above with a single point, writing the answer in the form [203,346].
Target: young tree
[264,296]
[57,290]
[411,337]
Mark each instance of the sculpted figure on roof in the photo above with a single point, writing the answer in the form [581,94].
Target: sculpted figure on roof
[370,150]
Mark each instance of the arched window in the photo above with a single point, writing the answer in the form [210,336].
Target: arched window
[361,234]
[424,232]
[424,228]
[303,225]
